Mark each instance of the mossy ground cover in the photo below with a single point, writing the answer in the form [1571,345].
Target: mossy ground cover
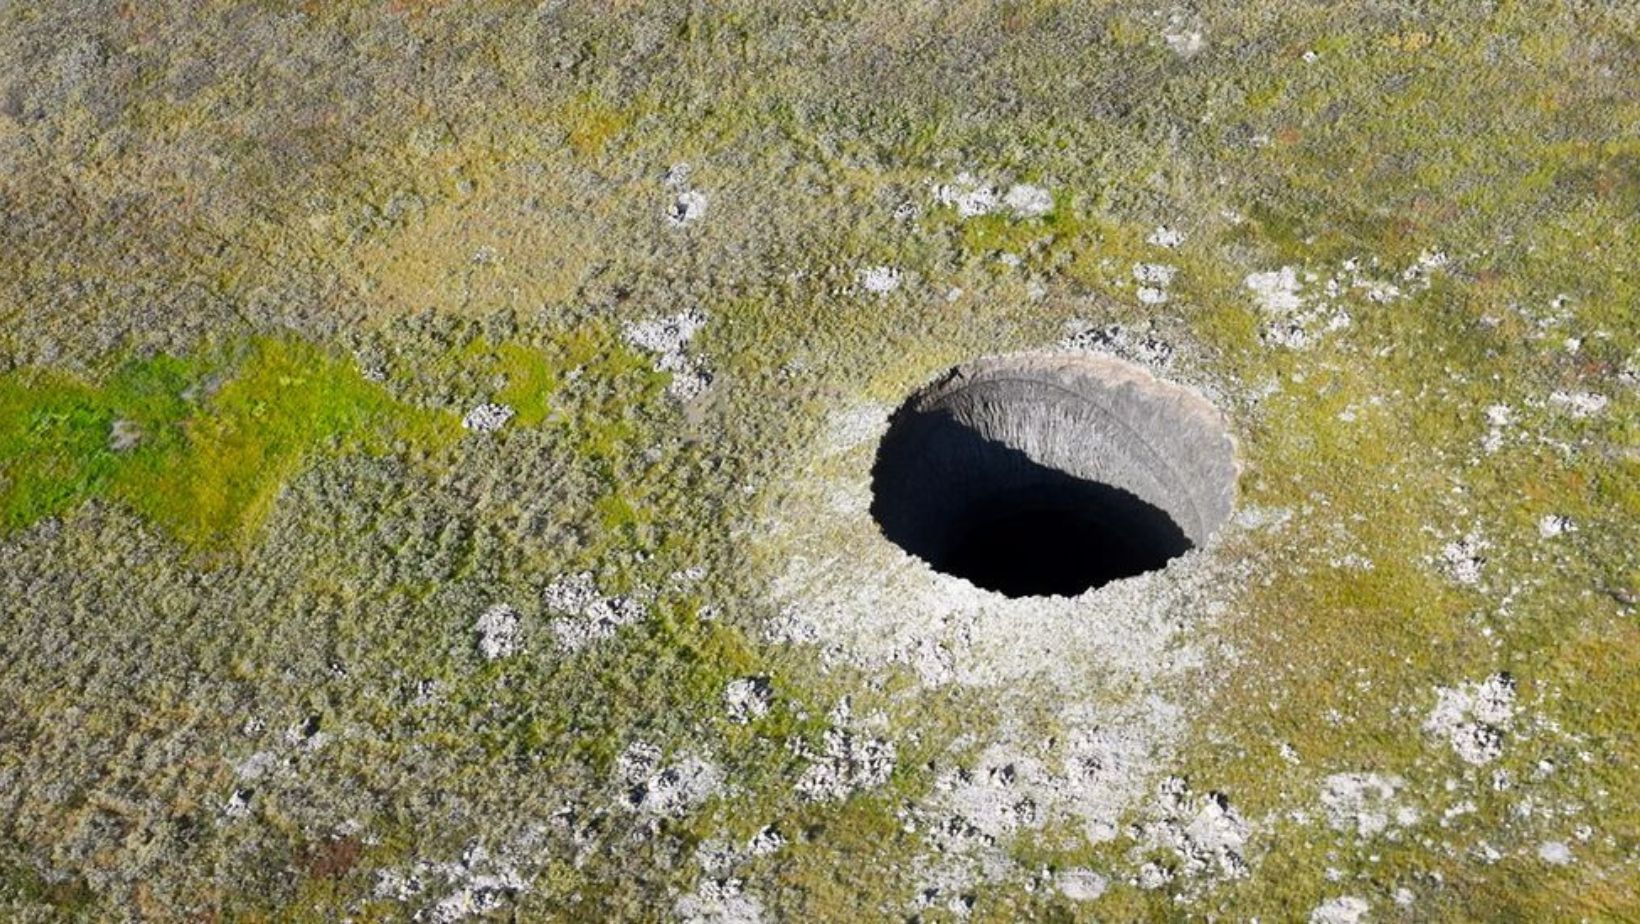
[211,442]
[289,246]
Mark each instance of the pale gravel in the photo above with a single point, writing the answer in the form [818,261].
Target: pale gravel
[1110,657]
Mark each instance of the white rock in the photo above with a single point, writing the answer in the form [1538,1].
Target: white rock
[1026,201]
[1553,525]
[1345,910]
[1276,291]
[748,698]
[687,207]
[1474,717]
[1182,36]
[675,789]
[1166,237]
[668,338]
[880,280]
[1555,853]
[1081,885]
[719,901]
[677,175]
[1464,558]
[497,629]
[1154,274]
[849,760]
[487,418]
[238,805]
[584,615]
[969,195]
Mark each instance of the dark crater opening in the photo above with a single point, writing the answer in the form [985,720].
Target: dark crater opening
[1046,474]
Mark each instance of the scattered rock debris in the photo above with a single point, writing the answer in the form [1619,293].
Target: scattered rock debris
[238,804]
[849,760]
[1165,237]
[716,855]
[477,884]
[1553,525]
[487,418]
[969,195]
[1290,322]
[1145,349]
[1276,291]
[687,207]
[688,204]
[498,632]
[585,615]
[1578,405]
[719,901]
[1364,803]
[880,280]
[973,197]
[748,698]
[1464,559]
[1204,832]
[664,791]
[1498,419]
[667,338]
[1345,910]
[1088,779]
[1474,717]
[1153,279]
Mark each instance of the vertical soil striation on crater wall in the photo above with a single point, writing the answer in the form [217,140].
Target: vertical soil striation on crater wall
[1052,474]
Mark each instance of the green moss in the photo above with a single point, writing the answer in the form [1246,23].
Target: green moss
[55,433]
[531,377]
[207,464]
[287,402]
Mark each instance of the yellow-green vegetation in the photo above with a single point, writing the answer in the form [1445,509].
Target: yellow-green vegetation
[201,446]
[258,260]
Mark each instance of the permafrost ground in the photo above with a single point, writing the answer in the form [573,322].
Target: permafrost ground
[437,450]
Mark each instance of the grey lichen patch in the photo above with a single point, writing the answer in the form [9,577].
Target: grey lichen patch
[1365,803]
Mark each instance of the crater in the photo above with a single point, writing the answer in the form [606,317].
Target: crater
[1039,474]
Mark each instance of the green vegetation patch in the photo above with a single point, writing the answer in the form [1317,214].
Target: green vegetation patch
[200,445]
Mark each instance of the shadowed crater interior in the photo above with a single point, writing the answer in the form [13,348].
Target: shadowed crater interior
[1042,473]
